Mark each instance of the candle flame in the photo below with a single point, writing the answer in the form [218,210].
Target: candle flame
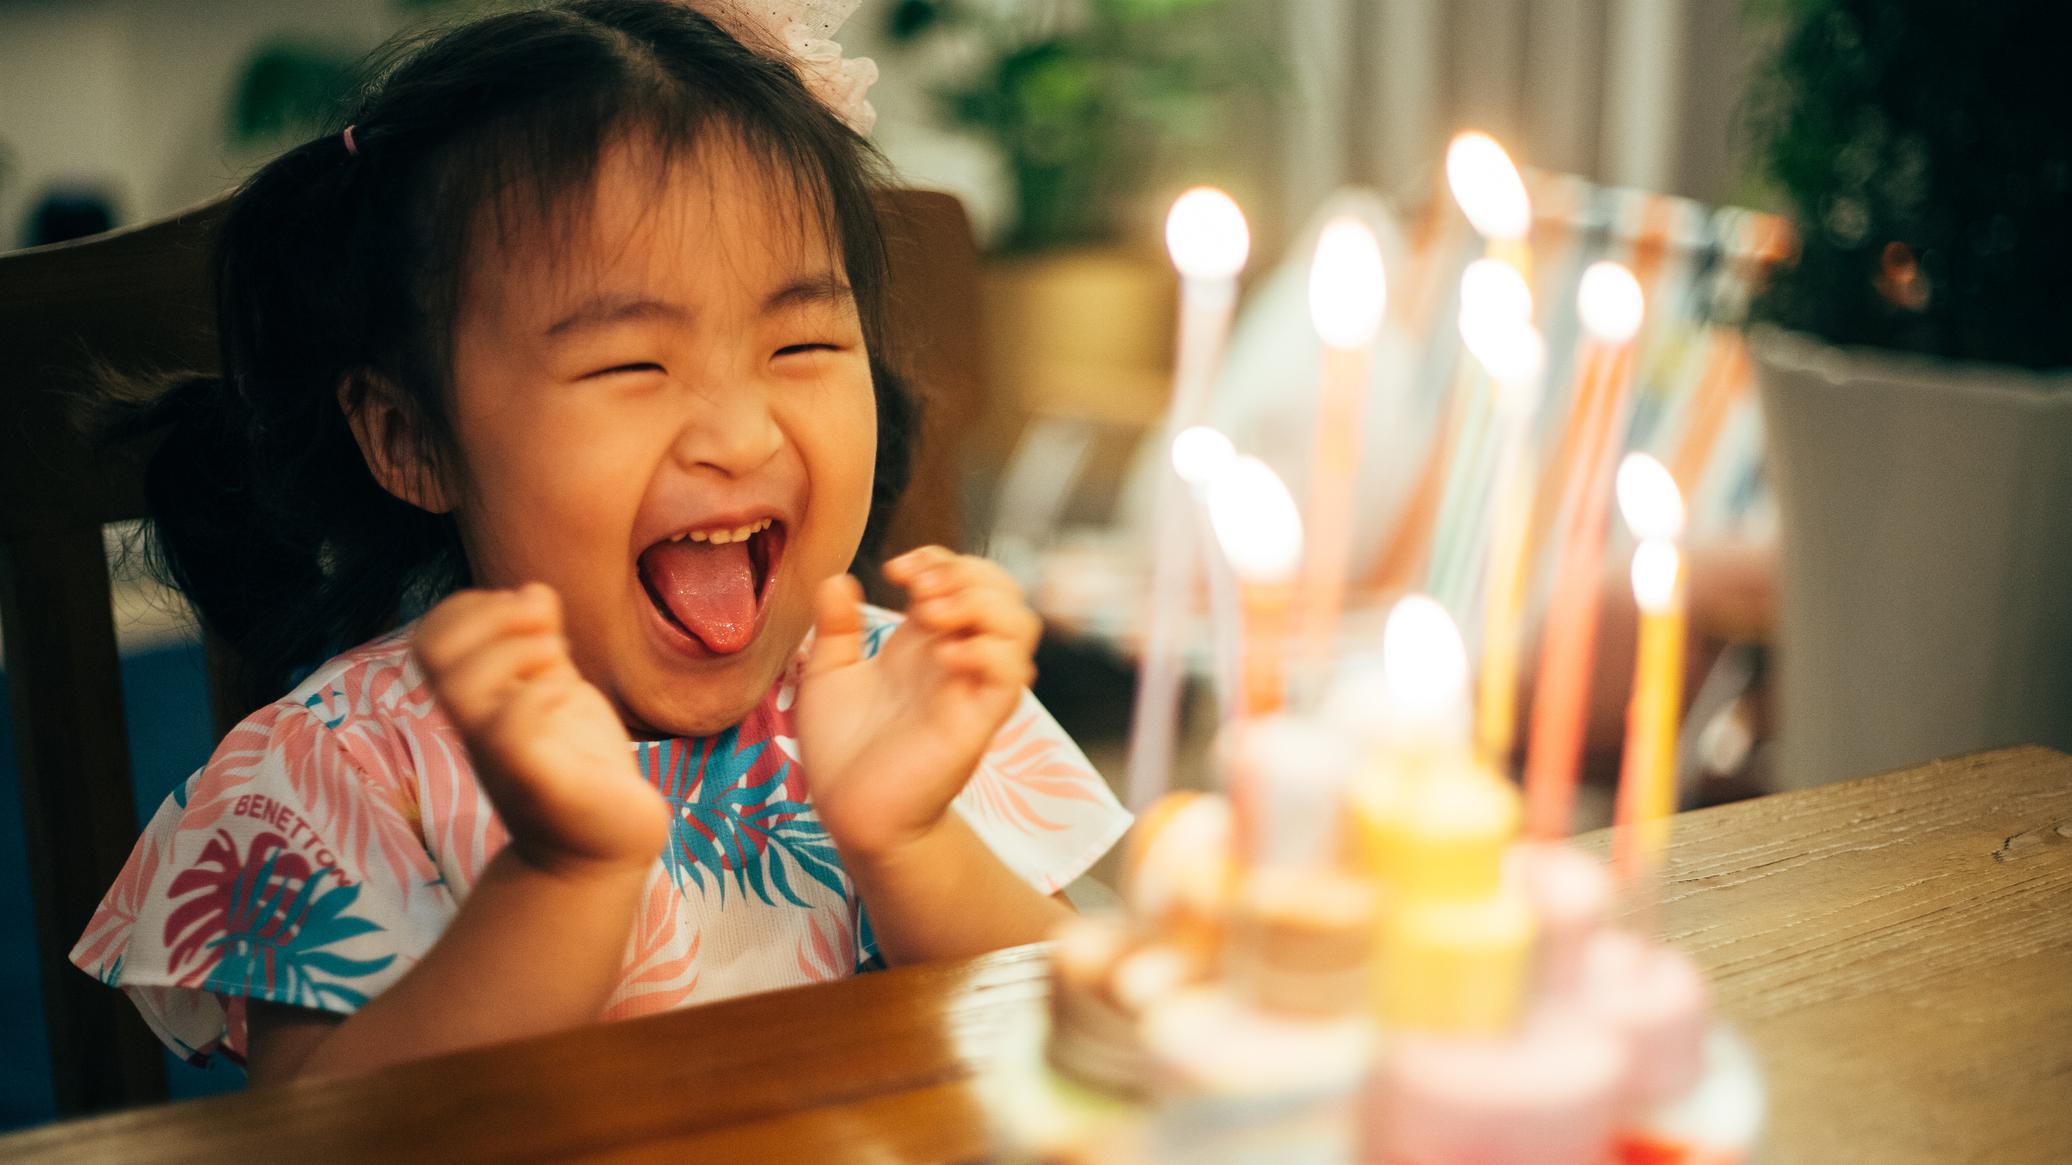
[1496,322]
[1491,289]
[1348,290]
[1207,236]
[1514,356]
[1656,564]
[1648,498]
[1424,661]
[1256,521]
[1200,453]
[1486,184]
[1610,302]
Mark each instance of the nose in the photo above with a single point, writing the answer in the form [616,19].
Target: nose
[730,429]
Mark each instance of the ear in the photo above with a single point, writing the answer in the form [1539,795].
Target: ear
[394,440]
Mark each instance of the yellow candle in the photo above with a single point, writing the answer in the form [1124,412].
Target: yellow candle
[1500,336]
[1652,506]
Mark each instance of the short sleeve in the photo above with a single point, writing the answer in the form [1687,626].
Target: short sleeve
[1039,803]
[283,871]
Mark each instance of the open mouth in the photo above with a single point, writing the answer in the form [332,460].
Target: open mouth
[712,584]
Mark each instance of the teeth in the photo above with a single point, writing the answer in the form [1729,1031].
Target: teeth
[723,536]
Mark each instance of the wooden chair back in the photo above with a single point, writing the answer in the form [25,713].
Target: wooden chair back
[140,299]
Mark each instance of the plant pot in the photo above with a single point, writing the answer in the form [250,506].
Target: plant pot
[1925,514]
[1084,333]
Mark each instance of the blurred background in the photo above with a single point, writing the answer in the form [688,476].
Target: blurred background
[1877,474]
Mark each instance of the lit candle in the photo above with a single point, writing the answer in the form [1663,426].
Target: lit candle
[1347,296]
[1610,303]
[1209,242]
[1491,193]
[1514,356]
[1492,197]
[1256,522]
[1653,508]
[1432,831]
[1199,453]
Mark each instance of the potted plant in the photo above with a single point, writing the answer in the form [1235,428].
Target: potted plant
[1915,364]
[1085,104]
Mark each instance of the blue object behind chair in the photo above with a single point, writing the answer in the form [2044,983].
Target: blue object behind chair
[166,703]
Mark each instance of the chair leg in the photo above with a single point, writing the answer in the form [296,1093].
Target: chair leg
[77,805]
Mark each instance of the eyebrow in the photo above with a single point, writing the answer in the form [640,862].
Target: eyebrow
[602,310]
[821,289]
[824,288]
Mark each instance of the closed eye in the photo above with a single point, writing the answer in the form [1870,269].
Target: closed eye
[616,369]
[796,349]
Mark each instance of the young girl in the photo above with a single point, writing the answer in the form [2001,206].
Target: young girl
[576,336]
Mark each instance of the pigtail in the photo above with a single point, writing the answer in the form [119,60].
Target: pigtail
[262,510]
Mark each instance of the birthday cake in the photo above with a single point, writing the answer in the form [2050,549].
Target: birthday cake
[1353,955]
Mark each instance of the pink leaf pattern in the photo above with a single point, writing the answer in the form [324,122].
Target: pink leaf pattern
[1028,772]
[330,839]
[100,948]
[661,964]
[826,953]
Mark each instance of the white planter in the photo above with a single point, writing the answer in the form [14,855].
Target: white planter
[1926,524]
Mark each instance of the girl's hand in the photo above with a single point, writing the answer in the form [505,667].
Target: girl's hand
[888,741]
[548,748]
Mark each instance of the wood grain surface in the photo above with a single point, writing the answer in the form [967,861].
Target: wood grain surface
[1899,951]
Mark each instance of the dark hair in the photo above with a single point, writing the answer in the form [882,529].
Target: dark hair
[338,266]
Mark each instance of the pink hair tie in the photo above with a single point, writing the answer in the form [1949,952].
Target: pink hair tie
[351,147]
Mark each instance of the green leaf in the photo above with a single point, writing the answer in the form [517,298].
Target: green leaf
[291,89]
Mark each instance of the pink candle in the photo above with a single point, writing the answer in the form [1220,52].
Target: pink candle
[1347,296]
[1611,305]
[1570,892]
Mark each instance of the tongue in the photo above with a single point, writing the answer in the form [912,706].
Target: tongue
[710,589]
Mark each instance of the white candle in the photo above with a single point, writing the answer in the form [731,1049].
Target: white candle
[1348,293]
[1199,454]
[1209,242]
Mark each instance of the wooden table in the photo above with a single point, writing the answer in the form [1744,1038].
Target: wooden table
[1899,950]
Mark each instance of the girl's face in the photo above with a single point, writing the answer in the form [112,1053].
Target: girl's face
[667,416]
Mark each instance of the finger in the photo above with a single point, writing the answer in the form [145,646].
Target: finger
[463,622]
[978,611]
[905,568]
[837,625]
[513,731]
[475,686]
[987,659]
[961,572]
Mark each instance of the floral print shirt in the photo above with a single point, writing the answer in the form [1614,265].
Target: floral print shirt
[328,842]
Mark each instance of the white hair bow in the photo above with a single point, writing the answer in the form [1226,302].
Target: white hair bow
[801,34]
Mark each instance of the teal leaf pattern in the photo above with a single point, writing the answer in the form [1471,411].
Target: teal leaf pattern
[736,820]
